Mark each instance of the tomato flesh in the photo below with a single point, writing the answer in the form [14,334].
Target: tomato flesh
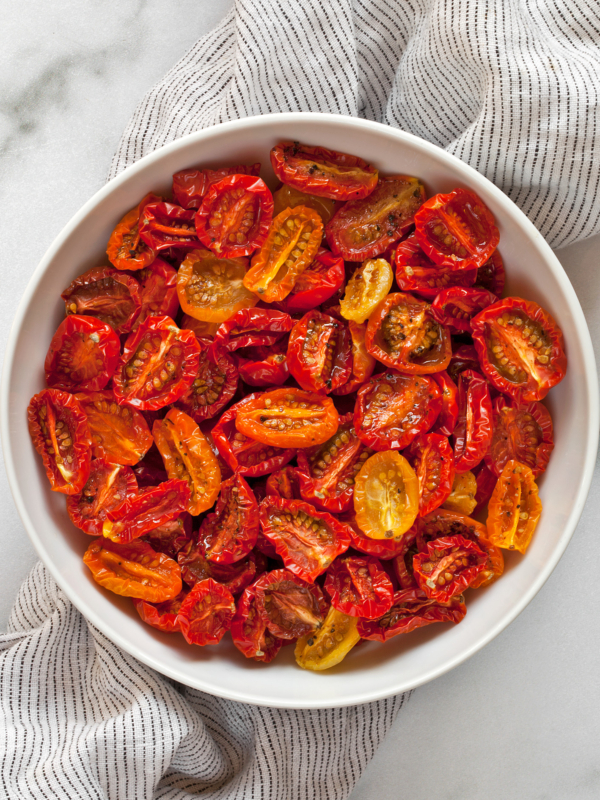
[106,488]
[514,508]
[191,185]
[521,433]
[417,273]
[250,634]
[139,514]
[206,613]
[158,291]
[288,197]
[229,533]
[433,462]
[289,606]
[359,587]
[450,565]
[83,355]
[473,431]
[319,352]
[214,385]
[107,294]
[162,616]
[125,248]
[367,287]
[328,645]
[119,434]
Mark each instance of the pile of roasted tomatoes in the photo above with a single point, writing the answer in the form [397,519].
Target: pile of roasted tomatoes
[303,416]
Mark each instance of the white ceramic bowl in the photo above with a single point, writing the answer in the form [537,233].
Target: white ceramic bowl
[373,670]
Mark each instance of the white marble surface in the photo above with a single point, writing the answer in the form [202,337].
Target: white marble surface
[520,719]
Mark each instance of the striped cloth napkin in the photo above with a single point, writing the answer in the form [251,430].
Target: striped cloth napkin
[509,86]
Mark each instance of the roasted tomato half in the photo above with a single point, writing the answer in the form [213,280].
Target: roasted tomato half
[450,565]
[253,327]
[263,365]
[250,634]
[165,225]
[158,366]
[119,434]
[322,172]
[211,289]
[359,587]
[290,247]
[106,488]
[289,606]
[402,333]
[328,645]
[464,356]
[392,409]
[326,473]
[288,418]
[365,228]
[416,272]
[60,433]
[242,453]
[206,613]
[162,616]
[411,609]
[158,291]
[307,540]
[125,248]
[139,514]
[288,197]
[187,455]
[319,281]
[107,294]
[367,287]
[448,416]
[462,498]
[236,577]
[473,431]
[190,185]
[520,347]
[514,509]
[235,215]
[284,483]
[172,536]
[456,230]
[214,385]
[432,459]
[363,362]
[456,306]
[319,352]
[133,570]
[386,496]
[229,533]
[522,433]
[83,355]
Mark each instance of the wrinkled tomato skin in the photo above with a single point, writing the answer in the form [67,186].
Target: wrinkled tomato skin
[383,549]
[322,172]
[473,432]
[82,355]
[418,274]
[125,248]
[165,225]
[517,327]
[491,275]
[190,185]
[359,587]
[172,536]
[151,385]
[486,480]
[402,563]
[283,622]
[260,418]
[206,613]
[326,473]
[111,296]
[521,433]
[366,228]
[158,291]
[232,200]
[106,488]
[133,570]
[52,413]
[229,533]
[266,365]
[303,551]
[392,409]
[456,306]
[401,333]
[411,609]
[274,269]
[141,513]
[236,577]
[463,357]
[214,384]
[432,459]
[319,352]
[162,616]
[467,222]
[252,327]
[448,416]
[243,454]
[250,634]
[118,434]
[319,281]
[363,362]
[442,557]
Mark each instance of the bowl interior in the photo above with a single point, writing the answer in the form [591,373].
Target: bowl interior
[370,671]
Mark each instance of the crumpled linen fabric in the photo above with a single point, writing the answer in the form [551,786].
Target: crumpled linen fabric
[510,86]
[82,720]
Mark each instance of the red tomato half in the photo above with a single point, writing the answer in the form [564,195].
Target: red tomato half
[158,291]
[60,433]
[456,230]
[141,513]
[450,566]
[319,281]
[383,549]
[235,215]
[159,364]
[206,613]
[359,587]
[417,273]
[473,432]
[432,459]
[392,409]
[365,228]
[111,296]
[322,172]
[119,434]
[520,347]
[106,488]
[448,416]
[363,362]
[263,365]
[214,385]
[289,606]
[250,634]
[236,577]
[456,306]
[125,248]
[522,433]
[190,185]
[162,616]
[307,540]
[229,533]
[164,225]
[319,352]
[83,354]
[252,327]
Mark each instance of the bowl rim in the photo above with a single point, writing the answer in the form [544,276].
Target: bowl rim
[366,695]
